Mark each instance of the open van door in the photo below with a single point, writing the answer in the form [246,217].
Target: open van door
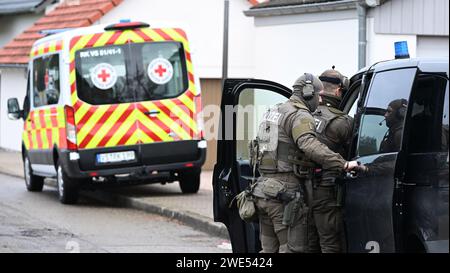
[373,209]
[244,101]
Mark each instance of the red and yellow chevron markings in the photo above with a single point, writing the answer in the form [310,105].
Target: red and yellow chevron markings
[130,123]
[48,47]
[45,128]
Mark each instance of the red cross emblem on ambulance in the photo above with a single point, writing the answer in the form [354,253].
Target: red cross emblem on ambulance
[160,71]
[103,76]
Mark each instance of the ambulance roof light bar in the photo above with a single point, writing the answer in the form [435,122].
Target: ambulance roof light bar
[401,50]
[126,24]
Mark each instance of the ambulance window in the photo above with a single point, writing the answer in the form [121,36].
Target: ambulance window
[161,70]
[101,75]
[46,80]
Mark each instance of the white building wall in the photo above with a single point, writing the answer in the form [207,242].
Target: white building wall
[432,46]
[13,25]
[380,47]
[285,51]
[13,85]
[203,20]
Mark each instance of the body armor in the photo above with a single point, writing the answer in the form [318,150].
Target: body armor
[323,117]
[277,151]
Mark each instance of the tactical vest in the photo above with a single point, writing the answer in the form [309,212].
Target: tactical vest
[278,152]
[323,116]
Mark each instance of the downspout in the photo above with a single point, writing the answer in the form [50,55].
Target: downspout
[362,39]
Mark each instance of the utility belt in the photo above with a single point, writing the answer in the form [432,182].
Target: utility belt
[280,187]
[290,194]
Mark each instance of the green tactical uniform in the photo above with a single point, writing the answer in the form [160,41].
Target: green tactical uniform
[288,152]
[334,129]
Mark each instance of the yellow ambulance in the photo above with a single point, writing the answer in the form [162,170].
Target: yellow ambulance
[116,104]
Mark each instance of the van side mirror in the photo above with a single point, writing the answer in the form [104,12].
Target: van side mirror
[14,112]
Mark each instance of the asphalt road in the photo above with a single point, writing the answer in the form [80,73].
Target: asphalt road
[37,222]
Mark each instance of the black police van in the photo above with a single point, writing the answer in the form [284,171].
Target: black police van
[402,204]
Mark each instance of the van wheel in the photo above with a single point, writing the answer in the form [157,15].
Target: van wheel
[190,181]
[67,188]
[32,182]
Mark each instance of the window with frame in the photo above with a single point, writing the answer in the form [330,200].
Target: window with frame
[253,104]
[131,72]
[46,80]
[382,122]
[428,129]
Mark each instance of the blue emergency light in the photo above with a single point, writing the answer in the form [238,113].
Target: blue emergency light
[401,50]
[125,20]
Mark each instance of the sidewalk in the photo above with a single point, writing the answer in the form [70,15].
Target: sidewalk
[194,210]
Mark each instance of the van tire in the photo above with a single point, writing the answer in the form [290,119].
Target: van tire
[33,182]
[190,181]
[67,188]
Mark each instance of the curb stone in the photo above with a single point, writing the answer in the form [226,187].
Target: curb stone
[191,219]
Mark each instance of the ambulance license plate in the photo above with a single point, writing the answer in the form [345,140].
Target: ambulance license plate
[116,157]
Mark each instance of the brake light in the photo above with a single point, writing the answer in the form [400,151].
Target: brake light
[199,116]
[126,25]
[71,131]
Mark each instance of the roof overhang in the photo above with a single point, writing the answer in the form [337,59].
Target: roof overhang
[17,8]
[13,66]
[308,8]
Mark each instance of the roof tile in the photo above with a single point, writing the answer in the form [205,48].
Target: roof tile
[28,36]
[66,15]
[70,17]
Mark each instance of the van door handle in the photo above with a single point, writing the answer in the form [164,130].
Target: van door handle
[152,113]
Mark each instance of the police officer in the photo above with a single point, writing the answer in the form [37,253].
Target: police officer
[288,150]
[334,129]
[394,116]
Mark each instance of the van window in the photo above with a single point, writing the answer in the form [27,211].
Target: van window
[381,127]
[428,121]
[102,75]
[26,100]
[161,70]
[46,80]
[250,117]
[131,72]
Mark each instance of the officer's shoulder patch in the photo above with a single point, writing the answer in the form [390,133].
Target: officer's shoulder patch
[305,126]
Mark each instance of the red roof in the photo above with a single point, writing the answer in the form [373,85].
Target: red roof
[71,14]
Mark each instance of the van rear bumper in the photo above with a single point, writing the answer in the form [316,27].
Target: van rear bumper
[138,169]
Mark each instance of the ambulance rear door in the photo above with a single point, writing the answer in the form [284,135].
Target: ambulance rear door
[130,87]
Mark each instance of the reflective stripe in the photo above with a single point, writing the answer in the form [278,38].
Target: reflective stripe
[43,130]
[48,47]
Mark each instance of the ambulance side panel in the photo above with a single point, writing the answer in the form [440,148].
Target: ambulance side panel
[44,127]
